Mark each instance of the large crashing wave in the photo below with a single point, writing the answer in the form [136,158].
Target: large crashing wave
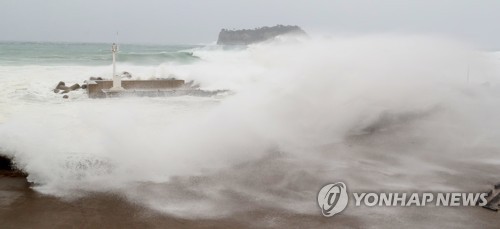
[378,112]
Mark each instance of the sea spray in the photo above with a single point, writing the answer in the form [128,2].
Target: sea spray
[307,112]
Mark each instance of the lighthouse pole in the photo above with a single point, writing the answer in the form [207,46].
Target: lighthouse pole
[117,81]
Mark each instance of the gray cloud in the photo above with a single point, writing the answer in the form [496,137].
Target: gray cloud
[199,21]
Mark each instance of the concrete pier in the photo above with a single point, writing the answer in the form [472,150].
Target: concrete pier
[101,88]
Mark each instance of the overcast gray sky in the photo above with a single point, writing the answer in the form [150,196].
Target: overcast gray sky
[199,21]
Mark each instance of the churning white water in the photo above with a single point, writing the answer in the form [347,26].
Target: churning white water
[383,112]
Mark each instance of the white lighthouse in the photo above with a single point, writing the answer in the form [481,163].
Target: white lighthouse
[117,80]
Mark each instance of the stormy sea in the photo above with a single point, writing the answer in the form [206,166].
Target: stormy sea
[398,113]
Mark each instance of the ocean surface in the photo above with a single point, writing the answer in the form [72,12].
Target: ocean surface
[91,54]
[399,113]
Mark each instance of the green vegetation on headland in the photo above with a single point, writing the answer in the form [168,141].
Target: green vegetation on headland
[249,36]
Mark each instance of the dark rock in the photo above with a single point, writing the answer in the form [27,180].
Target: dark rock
[74,87]
[493,198]
[7,168]
[249,36]
[61,86]
[493,203]
[65,97]
[84,86]
[95,78]
[126,75]
[5,163]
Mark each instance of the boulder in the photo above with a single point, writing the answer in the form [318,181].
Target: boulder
[61,87]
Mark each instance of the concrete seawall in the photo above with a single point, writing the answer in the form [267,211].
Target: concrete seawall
[96,88]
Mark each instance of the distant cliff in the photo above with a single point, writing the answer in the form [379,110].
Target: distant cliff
[249,36]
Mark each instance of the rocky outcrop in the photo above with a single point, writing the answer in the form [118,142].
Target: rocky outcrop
[8,169]
[249,36]
[63,89]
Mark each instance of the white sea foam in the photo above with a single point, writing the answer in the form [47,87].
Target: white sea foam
[304,113]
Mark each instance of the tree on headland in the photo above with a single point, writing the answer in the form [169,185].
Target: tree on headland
[249,36]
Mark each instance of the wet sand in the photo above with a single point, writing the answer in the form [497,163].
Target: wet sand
[22,207]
